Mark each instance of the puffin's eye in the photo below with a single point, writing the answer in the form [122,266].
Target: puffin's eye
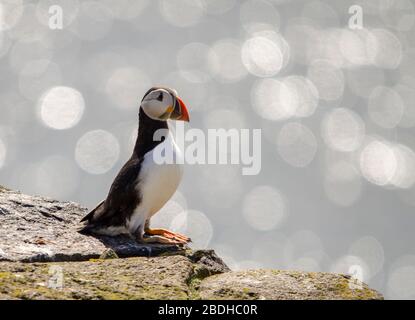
[160,96]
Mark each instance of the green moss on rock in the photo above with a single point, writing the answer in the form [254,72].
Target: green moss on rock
[284,285]
[184,276]
[130,278]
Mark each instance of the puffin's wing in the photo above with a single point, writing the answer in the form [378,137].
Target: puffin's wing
[122,198]
[98,209]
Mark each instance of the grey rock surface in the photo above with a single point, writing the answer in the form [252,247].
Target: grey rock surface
[35,229]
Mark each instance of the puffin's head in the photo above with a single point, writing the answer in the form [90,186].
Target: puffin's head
[160,103]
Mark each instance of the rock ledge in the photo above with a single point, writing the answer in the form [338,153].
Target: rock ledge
[42,256]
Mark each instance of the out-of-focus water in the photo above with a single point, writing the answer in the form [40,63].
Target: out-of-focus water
[333,94]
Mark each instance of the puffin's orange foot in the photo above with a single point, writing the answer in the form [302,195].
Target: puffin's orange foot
[159,239]
[176,237]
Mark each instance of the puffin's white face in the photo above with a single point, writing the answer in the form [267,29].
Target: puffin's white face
[160,104]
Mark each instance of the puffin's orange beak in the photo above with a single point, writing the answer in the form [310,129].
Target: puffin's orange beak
[184,114]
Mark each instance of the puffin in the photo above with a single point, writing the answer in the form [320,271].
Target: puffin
[143,185]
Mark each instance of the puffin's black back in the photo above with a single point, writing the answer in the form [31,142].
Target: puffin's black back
[124,196]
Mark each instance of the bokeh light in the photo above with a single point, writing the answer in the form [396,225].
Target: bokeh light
[266,31]
[218,7]
[225,119]
[5,44]
[352,45]
[398,14]
[97,151]
[320,13]
[270,242]
[370,250]
[306,94]
[27,28]
[328,79]
[404,176]
[164,218]
[225,61]
[362,81]
[123,86]
[221,185]
[53,171]
[227,253]
[196,225]
[378,162]
[253,12]
[37,76]
[3,153]
[97,70]
[126,9]
[193,62]
[274,100]
[407,196]
[248,265]
[353,266]
[182,13]
[222,102]
[299,35]
[384,49]
[23,53]
[264,208]
[385,107]
[296,144]
[323,46]
[401,280]
[343,184]
[196,94]
[304,249]
[262,57]
[61,107]
[335,105]
[407,95]
[307,264]
[93,21]
[343,130]
[10,13]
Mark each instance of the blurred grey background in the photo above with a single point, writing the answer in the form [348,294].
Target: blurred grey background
[331,86]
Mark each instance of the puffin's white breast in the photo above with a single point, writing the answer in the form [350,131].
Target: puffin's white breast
[157,182]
